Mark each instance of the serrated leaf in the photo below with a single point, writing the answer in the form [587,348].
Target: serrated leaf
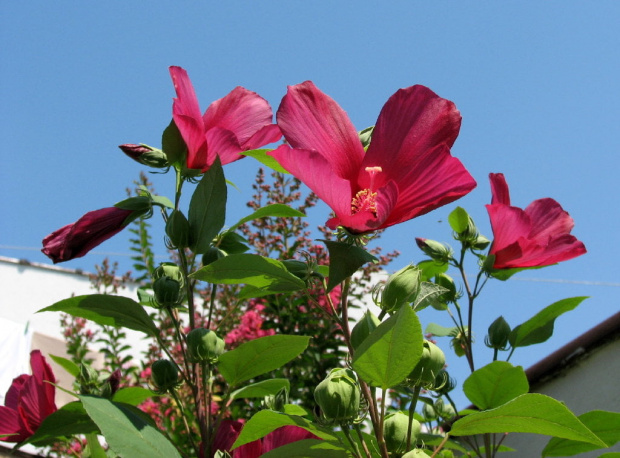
[606,425]
[495,384]
[107,310]
[391,351]
[539,328]
[250,269]
[126,432]
[266,421]
[261,156]
[68,365]
[207,209]
[458,219]
[259,356]
[261,389]
[272,210]
[529,413]
[344,260]
[428,295]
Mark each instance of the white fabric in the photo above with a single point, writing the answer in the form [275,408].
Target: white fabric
[15,341]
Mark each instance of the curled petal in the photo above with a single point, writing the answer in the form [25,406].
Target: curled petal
[499,189]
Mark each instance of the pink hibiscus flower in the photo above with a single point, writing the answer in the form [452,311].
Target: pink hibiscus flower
[240,121]
[407,170]
[534,237]
[29,400]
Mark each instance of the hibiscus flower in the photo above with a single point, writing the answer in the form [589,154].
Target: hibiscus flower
[535,237]
[29,400]
[240,121]
[407,170]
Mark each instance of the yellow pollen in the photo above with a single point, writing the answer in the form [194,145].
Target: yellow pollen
[364,201]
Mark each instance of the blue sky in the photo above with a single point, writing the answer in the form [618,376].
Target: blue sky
[536,83]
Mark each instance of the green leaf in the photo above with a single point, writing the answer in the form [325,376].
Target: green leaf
[505,274]
[389,354]
[133,395]
[308,448]
[458,219]
[529,413]
[430,269]
[344,260]
[259,356]
[138,203]
[68,365]
[107,310]
[429,295]
[173,145]
[69,420]
[272,210]
[163,201]
[495,384]
[250,269]
[261,156]
[232,243]
[266,421]
[293,409]
[540,327]
[261,389]
[127,433]
[207,209]
[606,425]
[440,331]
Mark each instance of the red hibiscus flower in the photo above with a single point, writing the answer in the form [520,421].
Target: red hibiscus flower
[29,400]
[229,430]
[407,170]
[238,122]
[76,239]
[535,237]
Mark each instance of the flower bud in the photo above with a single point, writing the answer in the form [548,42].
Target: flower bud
[429,413]
[444,410]
[435,250]
[447,282]
[395,432]
[277,401]
[443,383]
[338,395]
[177,229]
[145,155]
[430,364]
[400,288]
[415,453]
[365,136]
[481,243]
[212,255]
[164,375]
[498,334]
[168,285]
[203,345]
[111,385]
[88,379]
[363,328]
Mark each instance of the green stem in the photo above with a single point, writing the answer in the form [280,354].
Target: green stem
[414,401]
[358,429]
[95,448]
[187,427]
[347,434]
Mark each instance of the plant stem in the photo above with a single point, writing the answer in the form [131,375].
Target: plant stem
[347,434]
[414,401]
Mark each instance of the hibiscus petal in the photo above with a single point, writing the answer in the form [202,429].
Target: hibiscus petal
[10,424]
[509,224]
[316,173]
[433,180]
[311,120]
[241,111]
[222,143]
[548,219]
[367,221]
[412,121]
[285,435]
[499,189]
[266,135]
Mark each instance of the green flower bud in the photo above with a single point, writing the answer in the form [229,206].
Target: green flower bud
[435,250]
[447,282]
[88,379]
[430,364]
[401,287]
[277,401]
[459,344]
[203,345]
[444,410]
[338,395]
[365,136]
[415,453]
[395,431]
[145,155]
[168,285]
[481,243]
[212,255]
[177,229]
[443,383]
[429,413]
[164,375]
[498,334]
[363,328]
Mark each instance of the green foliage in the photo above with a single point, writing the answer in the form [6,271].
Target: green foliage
[495,384]
[345,260]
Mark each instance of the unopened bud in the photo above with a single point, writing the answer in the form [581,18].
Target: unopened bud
[400,288]
[444,410]
[203,345]
[395,432]
[111,385]
[277,401]
[145,155]
[498,334]
[338,395]
[365,136]
[481,243]
[168,285]
[164,375]
[435,250]
[415,453]
[363,328]
[430,364]
[443,383]
[447,282]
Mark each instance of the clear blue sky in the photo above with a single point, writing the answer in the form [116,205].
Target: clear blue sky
[536,82]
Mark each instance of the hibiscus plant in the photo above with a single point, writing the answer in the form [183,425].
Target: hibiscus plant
[381,389]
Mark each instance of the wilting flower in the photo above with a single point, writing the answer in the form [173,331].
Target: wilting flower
[29,400]
[229,430]
[238,122]
[407,170]
[76,239]
[534,237]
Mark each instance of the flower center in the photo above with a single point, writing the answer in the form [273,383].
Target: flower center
[365,200]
